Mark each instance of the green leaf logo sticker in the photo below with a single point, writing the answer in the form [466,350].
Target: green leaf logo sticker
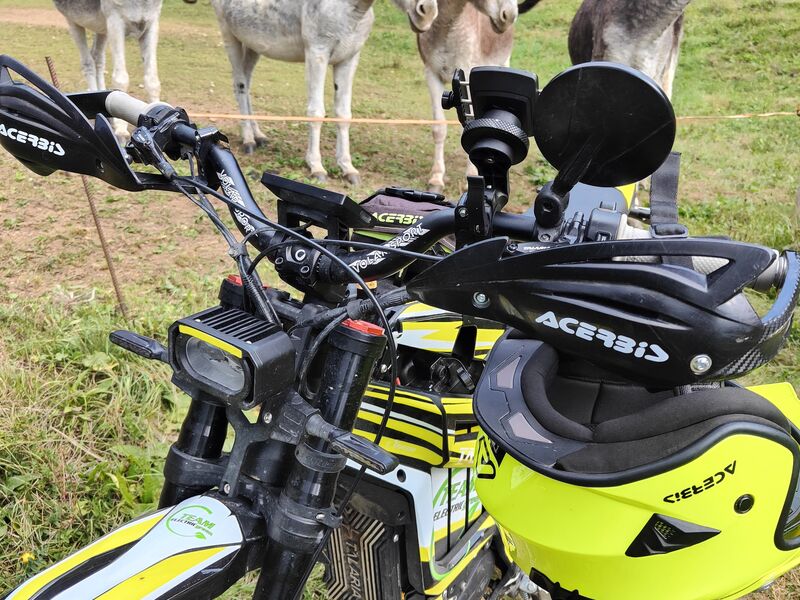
[192,521]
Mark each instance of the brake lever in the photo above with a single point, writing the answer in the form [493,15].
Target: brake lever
[149,153]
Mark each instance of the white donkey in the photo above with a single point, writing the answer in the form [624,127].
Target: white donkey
[644,35]
[317,32]
[111,21]
[466,34]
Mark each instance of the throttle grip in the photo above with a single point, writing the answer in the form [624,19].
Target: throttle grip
[124,106]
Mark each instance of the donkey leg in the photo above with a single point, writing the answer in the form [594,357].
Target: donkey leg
[115,27]
[78,34]
[672,59]
[250,58]
[147,45]
[316,67]
[436,88]
[343,75]
[241,88]
[99,55]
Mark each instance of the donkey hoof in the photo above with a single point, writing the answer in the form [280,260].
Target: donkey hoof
[436,188]
[320,177]
[249,147]
[122,136]
[353,178]
[261,141]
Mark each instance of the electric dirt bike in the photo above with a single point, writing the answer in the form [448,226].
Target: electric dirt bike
[269,501]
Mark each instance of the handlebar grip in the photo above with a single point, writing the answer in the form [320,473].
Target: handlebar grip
[124,106]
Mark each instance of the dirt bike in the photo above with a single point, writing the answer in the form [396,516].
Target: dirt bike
[563,283]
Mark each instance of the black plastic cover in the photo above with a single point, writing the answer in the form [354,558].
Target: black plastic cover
[642,320]
[314,200]
[47,131]
[662,534]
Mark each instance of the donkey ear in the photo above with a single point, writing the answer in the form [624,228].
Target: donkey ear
[526,5]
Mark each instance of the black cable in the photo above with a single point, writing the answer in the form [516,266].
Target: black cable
[365,245]
[312,353]
[381,315]
[314,244]
[388,300]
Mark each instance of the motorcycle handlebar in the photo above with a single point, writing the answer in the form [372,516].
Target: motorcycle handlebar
[374,264]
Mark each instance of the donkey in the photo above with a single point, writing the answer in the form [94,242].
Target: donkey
[466,34]
[644,35]
[111,21]
[319,33]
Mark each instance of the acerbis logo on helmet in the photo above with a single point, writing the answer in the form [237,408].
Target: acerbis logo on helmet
[708,483]
[23,137]
[619,343]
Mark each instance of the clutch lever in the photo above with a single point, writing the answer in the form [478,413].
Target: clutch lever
[148,152]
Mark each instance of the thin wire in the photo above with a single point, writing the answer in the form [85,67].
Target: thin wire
[381,315]
[312,353]
[206,207]
[377,121]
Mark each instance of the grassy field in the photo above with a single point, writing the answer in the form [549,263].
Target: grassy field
[84,426]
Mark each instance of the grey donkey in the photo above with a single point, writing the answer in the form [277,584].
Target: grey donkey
[644,34]
[318,33]
[111,21]
[466,34]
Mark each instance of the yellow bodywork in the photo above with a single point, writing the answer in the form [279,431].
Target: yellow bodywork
[130,532]
[578,535]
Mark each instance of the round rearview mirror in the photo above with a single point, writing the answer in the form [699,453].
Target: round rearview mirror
[607,124]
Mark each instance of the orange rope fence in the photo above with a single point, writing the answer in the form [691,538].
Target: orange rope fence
[377,121]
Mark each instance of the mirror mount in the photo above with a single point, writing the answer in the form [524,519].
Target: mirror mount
[496,109]
[474,211]
[553,199]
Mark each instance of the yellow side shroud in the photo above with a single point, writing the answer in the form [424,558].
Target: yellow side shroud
[191,550]
[715,519]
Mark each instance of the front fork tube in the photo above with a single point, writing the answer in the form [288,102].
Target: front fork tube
[304,511]
[202,436]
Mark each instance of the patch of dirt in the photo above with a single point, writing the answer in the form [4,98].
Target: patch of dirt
[46,17]
[48,239]
[40,17]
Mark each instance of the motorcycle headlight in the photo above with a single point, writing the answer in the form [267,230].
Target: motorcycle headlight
[216,365]
[232,356]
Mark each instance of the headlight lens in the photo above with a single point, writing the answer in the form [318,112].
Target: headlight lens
[215,364]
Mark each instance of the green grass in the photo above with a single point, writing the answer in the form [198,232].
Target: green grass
[85,426]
